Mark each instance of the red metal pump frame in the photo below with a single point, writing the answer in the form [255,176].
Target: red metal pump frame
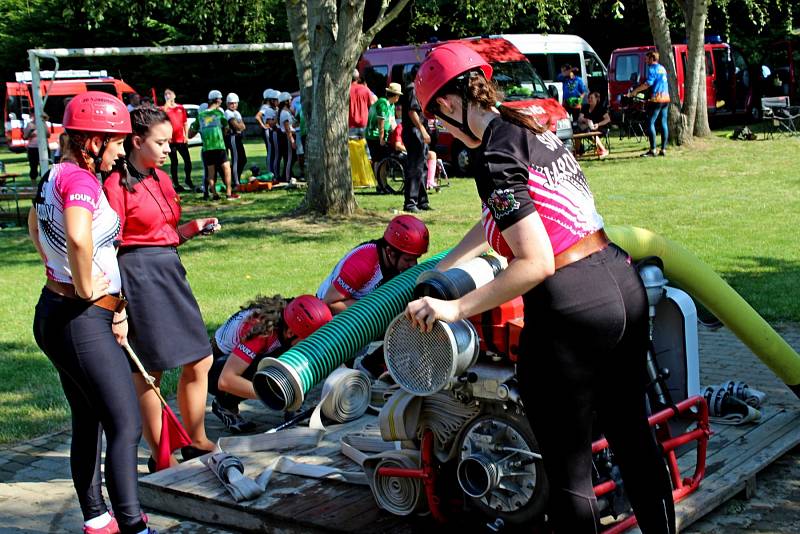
[682,487]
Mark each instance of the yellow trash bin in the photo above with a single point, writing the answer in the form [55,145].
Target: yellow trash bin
[359,163]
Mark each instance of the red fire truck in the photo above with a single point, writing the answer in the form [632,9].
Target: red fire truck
[56,87]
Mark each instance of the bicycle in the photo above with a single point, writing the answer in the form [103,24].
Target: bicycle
[391,175]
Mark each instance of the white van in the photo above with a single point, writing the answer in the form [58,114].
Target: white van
[547,52]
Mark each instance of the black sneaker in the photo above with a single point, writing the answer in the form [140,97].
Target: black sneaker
[179,188]
[426,207]
[662,153]
[411,209]
[233,421]
[648,154]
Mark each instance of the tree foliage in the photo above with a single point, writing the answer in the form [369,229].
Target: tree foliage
[81,23]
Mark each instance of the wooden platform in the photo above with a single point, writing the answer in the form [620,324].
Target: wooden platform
[294,504]
[291,503]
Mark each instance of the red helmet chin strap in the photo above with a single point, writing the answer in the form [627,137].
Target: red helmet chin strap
[462,126]
[97,158]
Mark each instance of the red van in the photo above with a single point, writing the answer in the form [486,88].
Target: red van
[513,73]
[18,108]
[729,86]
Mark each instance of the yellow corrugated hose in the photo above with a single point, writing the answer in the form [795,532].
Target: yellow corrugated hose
[702,283]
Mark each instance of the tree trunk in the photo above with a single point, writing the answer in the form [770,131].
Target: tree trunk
[694,102]
[678,125]
[328,38]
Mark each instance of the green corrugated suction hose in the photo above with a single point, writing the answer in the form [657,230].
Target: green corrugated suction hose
[282,382]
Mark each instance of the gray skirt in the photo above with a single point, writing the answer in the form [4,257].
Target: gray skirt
[165,327]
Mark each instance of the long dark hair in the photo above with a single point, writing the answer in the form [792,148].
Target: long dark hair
[486,95]
[266,314]
[142,119]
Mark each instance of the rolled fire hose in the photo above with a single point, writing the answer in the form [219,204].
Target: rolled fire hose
[699,280]
[282,383]
[405,417]
[398,495]
[346,395]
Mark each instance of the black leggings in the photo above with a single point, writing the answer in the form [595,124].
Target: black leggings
[183,150]
[96,378]
[235,145]
[583,353]
[286,158]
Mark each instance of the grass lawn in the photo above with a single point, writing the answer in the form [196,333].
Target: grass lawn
[735,204]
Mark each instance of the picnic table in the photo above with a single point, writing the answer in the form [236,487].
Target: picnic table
[579,138]
[11,192]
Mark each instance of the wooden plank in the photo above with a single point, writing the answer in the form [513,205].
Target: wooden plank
[725,436]
[758,436]
[725,484]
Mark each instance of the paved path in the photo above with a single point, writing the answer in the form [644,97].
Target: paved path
[36,494]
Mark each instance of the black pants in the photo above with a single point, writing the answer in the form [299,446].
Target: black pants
[273,154]
[228,400]
[238,157]
[286,155]
[94,372]
[183,150]
[416,194]
[583,354]
[33,162]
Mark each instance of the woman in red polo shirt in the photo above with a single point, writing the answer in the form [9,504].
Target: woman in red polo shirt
[179,144]
[165,325]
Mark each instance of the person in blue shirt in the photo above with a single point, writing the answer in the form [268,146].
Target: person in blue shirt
[657,104]
[574,90]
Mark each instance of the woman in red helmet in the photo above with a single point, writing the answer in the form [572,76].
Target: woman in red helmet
[74,228]
[372,263]
[166,327]
[586,327]
[266,326]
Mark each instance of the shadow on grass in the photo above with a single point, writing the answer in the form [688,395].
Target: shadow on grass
[16,248]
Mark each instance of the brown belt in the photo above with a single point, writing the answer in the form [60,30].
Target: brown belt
[594,242]
[107,302]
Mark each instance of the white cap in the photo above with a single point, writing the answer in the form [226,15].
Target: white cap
[284,97]
[232,97]
[274,94]
[268,92]
[214,94]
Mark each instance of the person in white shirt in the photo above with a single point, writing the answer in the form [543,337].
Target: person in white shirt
[267,118]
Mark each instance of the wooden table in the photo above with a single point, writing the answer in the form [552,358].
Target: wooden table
[578,138]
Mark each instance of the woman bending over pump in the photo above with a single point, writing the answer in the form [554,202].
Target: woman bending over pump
[585,339]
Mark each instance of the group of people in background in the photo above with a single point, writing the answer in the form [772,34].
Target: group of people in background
[394,124]
[284,129]
[222,127]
